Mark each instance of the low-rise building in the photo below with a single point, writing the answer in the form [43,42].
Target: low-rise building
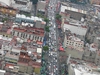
[74,26]
[8,10]
[22,5]
[2,72]
[29,34]
[76,68]
[30,21]
[41,7]
[73,41]
[73,45]
[12,57]
[76,11]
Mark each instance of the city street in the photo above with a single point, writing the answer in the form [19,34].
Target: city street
[53,63]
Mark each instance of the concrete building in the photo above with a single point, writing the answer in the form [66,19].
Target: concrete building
[8,10]
[74,53]
[27,33]
[74,26]
[73,41]
[12,57]
[30,21]
[22,5]
[76,11]
[5,2]
[41,7]
[73,45]
[83,69]
[2,72]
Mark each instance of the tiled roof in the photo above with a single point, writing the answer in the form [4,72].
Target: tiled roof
[38,42]
[29,30]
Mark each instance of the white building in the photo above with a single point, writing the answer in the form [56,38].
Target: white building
[6,2]
[73,42]
[82,70]
[74,26]
[66,6]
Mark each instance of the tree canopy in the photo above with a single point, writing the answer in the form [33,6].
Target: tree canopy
[46,20]
[47,28]
[58,17]
[45,48]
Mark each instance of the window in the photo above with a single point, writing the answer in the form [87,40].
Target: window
[35,38]
[21,35]
[17,33]
[29,36]
[13,33]
[67,43]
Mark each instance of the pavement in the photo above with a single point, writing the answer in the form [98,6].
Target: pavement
[53,53]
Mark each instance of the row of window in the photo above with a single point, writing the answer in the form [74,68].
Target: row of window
[78,45]
[23,35]
[73,42]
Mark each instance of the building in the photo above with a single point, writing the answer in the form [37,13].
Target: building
[5,2]
[95,2]
[73,45]
[2,72]
[83,69]
[76,11]
[28,60]
[41,7]
[8,10]
[73,41]
[29,34]
[74,26]
[31,21]
[12,57]
[24,6]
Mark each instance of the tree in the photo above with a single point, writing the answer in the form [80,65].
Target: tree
[4,19]
[40,15]
[58,17]
[46,20]
[34,1]
[45,48]
[47,28]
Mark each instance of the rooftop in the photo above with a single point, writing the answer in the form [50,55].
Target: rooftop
[18,4]
[34,18]
[73,37]
[75,23]
[6,2]
[29,30]
[84,68]
[12,55]
[75,7]
[41,5]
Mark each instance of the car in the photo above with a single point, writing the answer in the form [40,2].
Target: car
[56,68]
[56,60]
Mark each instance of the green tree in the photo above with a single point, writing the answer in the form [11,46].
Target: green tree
[4,19]
[58,17]
[34,1]
[40,15]
[46,20]
[45,48]
[47,28]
